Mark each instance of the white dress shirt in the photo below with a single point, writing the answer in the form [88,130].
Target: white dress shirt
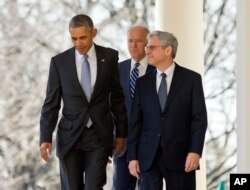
[92,65]
[141,68]
[169,72]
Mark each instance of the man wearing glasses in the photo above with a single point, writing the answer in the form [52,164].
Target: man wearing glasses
[169,120]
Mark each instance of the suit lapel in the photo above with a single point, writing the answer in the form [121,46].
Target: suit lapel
[175,84]
[152,90]
[71,68]
[126,76]
[100,59]
[127,69]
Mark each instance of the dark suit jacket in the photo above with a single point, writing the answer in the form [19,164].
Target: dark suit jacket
[106,106]
[180,129]
[124,69]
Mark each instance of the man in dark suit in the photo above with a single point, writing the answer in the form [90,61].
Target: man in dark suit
[136,41]
[86,78]
[169,120]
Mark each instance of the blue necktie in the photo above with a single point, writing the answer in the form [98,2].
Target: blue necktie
[162,93]
[85,77]
[86,81]
[133,77]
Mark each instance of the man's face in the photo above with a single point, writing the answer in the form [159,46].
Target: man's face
[82,38]
[136,43]
[155,52]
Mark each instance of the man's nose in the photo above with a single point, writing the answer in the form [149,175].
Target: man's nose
[77,42]
[134,44]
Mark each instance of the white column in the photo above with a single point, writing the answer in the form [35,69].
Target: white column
[184,18]
[243,86]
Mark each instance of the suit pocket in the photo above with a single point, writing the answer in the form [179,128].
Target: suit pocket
[65,125]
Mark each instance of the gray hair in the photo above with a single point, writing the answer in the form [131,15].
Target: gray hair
[166,39]
[81,20]
[142,27]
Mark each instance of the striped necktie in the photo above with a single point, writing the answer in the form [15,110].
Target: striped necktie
[133,77]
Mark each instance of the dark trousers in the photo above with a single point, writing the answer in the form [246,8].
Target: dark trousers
[175,180]
[122,180]
[84,167]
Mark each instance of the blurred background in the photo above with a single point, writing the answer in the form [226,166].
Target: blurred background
[31,32]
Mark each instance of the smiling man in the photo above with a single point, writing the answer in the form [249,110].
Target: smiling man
[86,79]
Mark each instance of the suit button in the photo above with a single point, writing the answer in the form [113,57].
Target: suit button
[162,118]
[159,135]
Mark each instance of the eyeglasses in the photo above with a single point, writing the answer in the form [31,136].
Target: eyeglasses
[152,48]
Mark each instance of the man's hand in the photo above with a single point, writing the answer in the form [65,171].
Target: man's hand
[109,160]
[134,169]
[119,146]
[45,151]
[192,162]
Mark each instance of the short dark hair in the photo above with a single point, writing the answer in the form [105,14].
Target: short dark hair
[81,20]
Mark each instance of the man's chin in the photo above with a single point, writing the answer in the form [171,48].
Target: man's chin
[81,51]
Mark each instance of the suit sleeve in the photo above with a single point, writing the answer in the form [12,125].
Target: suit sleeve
[51,106]
[199,117]
[135,126]
[118,103]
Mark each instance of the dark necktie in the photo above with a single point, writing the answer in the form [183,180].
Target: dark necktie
[162,93]
[86,81]
[133,77]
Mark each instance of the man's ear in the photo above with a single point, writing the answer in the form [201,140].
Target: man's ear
[94,32]
[169,50]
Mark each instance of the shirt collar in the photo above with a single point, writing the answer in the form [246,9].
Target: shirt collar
[169,71]
[90,53]
[143,62]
